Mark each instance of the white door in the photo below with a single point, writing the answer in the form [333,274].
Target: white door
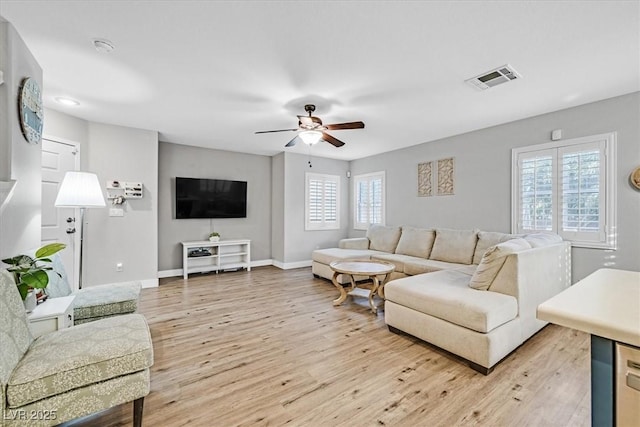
[59,224]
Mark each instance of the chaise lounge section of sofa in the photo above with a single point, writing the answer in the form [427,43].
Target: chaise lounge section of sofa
[472,293]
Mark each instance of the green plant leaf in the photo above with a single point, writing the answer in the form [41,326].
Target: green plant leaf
[19,260]
[23,289]
[36,279]
[50,249]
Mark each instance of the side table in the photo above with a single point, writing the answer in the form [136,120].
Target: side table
[371,269]
[52,315]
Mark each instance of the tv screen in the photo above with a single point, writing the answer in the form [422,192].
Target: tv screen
[210,198]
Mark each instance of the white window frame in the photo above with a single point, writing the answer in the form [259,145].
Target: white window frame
[324,224]
[605,238]
[368,177]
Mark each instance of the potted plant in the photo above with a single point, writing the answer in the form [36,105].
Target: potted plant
[30,273]
[214,236]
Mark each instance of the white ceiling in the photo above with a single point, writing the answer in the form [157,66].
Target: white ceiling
[210,73]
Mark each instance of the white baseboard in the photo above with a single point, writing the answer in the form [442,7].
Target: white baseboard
[149,283]
[261,263]
[292,265]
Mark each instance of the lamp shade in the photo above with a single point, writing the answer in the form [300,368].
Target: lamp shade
[80,190]
[310,137]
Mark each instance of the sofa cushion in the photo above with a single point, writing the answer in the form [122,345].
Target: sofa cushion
[398,260]
[539,240]
[106,300]
[455,246]
[486,239]
[80,356]
[416,242]
[15,337]
[446,295]
[493,260]
[416,266]
[383,238]
[327,256]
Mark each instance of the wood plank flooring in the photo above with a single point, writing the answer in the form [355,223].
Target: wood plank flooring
[267,348]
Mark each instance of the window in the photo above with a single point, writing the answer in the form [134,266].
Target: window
[369,200]
[322,202]
[567,187]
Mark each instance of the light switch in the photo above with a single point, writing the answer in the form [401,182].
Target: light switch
[116,212]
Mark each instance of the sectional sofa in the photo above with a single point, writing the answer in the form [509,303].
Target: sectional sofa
[473,293]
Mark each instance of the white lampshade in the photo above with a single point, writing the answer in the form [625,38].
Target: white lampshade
[310,137]
[80,190]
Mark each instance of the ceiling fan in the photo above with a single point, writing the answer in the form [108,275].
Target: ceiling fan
[312,130]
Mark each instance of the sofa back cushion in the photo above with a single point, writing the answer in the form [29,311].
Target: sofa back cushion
[493,260]
[486,239]
[15,337]
[383,238]
[454,245]
[58,282]
[416,242]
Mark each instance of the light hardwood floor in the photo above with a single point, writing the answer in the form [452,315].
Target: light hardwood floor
[267,347]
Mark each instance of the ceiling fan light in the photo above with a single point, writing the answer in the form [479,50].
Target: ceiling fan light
[310,137]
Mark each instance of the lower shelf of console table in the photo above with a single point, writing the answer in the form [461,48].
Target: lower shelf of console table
[222,255]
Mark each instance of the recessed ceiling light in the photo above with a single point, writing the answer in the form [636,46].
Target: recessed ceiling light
[103,45]
[66,101]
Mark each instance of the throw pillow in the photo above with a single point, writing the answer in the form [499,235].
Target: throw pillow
[58,284]
[454,245]
[493,260]
[486,239]
[416,242]
[539,240]
[383,238]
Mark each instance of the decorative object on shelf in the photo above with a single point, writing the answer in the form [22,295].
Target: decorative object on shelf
[634,178]
[445,177]
[120,191]
[214,236]
[30,273]
[80,190]
[31,110]
[425,186]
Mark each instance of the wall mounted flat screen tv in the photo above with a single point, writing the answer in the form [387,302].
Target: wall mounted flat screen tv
[210,198]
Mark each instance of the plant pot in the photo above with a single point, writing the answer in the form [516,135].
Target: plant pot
[214,238]
[30,302]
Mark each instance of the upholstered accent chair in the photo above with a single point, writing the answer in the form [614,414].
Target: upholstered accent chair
[94,302]
[72,372]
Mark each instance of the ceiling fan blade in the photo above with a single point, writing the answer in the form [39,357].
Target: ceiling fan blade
[280,130]
[293,142]
[350,125]
[332,140]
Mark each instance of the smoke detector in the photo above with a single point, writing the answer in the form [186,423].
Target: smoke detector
[495,77]
[103,45]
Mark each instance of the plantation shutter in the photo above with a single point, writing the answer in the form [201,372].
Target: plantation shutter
[322,202]
[369,200]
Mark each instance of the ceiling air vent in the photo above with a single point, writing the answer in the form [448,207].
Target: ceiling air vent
[496,77]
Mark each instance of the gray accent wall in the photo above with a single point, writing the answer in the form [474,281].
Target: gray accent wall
[483,177]
[193,162]
[292,243]
[278,217]
[20,161]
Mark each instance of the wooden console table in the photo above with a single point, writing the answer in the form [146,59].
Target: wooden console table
[223,255]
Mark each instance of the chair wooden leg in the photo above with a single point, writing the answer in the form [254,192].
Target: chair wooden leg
[138,406]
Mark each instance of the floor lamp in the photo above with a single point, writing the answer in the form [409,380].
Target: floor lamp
[80,190]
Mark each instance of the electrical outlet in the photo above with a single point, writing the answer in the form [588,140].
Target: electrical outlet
[119,266]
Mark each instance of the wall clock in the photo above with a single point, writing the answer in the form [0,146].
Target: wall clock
[31,111]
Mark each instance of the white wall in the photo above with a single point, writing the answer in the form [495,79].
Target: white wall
[483,176]
[19,160]
[125,154]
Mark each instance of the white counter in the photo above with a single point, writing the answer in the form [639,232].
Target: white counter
[605,303]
